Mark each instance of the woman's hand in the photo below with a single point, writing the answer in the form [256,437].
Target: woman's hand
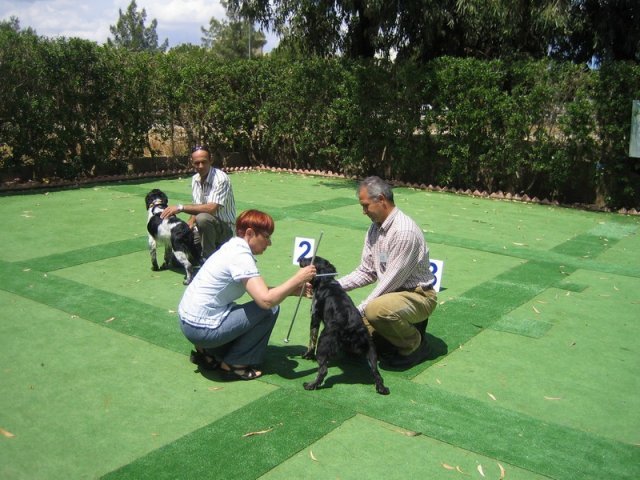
[303,279]
[308,290]
[267,297]
[306,274]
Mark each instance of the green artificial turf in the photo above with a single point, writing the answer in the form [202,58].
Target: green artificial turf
[533,347]
[244,444]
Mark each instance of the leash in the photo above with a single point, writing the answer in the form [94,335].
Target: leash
[313,257]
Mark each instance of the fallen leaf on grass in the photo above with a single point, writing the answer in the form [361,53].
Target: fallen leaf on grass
[6,433]
[214,389]
[491,395]
[552,398]
[480,470]
[448,467]
[460,470]
[312,456]
[109,320]
[502,472]
[261,432]
[536,310]
[26,269]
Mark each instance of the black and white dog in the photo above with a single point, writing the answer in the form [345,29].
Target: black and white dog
[173,233]
[343,329]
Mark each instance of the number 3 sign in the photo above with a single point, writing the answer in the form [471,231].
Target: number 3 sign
[437,267]
[303,248]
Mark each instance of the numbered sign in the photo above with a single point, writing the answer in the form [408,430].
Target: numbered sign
[437,267]
[303,248]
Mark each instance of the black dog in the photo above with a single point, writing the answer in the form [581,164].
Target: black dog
[175,234]
[343,326]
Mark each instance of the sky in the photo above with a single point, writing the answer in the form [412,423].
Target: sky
[179,21]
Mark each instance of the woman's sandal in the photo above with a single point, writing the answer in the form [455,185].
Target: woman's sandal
[241,373]
[204,361]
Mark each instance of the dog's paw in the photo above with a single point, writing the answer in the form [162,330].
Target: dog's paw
[186,281]
[155,267]
[164,266]
[382,390]
[308,355]
[310,385]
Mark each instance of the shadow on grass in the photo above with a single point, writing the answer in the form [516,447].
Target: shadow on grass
[285,360]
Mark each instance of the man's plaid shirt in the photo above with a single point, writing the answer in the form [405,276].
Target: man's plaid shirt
[395,254]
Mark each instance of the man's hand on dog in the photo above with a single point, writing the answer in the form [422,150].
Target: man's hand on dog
[167,212]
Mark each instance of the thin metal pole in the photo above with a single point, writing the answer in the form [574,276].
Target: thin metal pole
[313,257]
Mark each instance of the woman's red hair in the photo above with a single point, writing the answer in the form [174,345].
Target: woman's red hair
[259,221]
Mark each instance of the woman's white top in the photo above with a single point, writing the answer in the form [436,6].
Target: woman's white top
[212,293]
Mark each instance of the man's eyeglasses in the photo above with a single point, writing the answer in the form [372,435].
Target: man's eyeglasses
[200,147]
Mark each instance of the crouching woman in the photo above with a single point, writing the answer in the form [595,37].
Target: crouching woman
[228,336]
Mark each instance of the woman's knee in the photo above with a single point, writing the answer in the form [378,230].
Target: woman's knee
[274,312]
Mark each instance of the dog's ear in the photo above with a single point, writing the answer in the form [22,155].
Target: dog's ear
[323,265]
[304,262]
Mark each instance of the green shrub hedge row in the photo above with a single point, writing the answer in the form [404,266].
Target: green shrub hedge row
[69,107]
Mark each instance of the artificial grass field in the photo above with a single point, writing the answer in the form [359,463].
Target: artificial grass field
[533,370]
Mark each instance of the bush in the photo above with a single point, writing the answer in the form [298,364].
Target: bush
[70,108]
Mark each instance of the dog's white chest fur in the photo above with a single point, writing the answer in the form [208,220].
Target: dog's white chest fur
[164,231]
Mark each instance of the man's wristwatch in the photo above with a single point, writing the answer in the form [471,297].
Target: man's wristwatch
[180,207]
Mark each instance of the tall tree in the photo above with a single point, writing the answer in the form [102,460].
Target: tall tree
[131,33]
[233,39]
[602,30]
[479,28]
[578,30]
[13,24]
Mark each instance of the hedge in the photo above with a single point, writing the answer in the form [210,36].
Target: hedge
[71,108]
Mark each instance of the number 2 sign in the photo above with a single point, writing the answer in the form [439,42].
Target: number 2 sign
[303,248]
